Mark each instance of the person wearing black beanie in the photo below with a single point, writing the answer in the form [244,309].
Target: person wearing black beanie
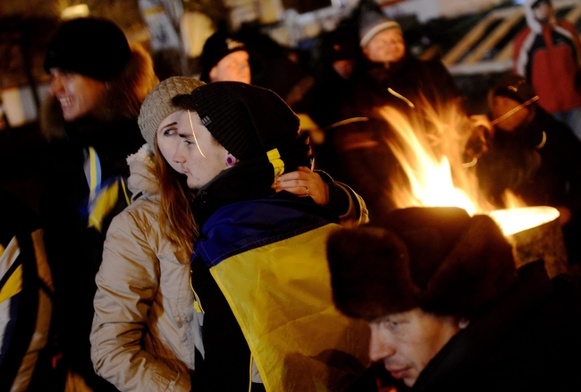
[98,81]
[225,58]
[257,267]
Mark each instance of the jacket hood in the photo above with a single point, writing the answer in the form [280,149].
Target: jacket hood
[532,22]
[142,180]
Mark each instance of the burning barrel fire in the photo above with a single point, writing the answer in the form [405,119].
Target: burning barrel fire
[438,177]
[535,234]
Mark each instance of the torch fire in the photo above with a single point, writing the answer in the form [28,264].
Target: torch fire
[432,152]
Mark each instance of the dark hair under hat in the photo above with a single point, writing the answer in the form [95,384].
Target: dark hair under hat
[90,46]
[217,46]
[436,258]
[249,121]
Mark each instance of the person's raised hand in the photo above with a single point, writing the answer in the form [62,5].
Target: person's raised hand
[305,183]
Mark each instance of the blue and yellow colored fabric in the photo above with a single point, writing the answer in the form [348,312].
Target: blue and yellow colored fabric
[269,262]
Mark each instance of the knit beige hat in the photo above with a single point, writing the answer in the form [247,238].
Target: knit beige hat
[157,105]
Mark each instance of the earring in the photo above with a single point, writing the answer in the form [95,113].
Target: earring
[230,161]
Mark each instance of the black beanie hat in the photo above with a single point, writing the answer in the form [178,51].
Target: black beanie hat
[249,121]
[436,258]
[217,46]
[93,47]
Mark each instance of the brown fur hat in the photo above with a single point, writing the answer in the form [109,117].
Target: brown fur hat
[436,258]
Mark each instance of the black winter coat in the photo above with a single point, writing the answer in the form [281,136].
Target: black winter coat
[528,341]
[74,250]
[408,80]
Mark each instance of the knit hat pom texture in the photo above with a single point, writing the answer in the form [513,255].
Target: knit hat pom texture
[158,104]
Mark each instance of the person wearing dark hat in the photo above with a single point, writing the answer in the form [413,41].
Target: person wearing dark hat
[224,58]
[547,53]
[448,310]
[145,330]
[257,268]
[98,81]
[532,156]
[390,75]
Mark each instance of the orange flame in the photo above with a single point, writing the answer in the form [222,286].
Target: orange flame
[431,154]
[431,150]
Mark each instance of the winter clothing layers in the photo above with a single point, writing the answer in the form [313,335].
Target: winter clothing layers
[539,163]
[548,56]
[519,326]
[406,85]
[519,343]
[144,332]
[101,50]
[86,159]
[259,273]
[74,248]
[258,268]
[26,291]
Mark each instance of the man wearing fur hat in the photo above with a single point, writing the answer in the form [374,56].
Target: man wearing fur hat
[547,53]
[447,309]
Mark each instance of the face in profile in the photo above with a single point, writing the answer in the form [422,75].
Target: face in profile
[196,153]
[502,105]
[167,140]
[79,96]
[234,67]
[387,46]
[543,11]
[405,342]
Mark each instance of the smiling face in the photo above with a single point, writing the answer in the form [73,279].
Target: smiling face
[407,341]
[78,95]
[195,153]
[387,46]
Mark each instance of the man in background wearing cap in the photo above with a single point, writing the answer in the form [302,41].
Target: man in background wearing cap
[447,309]
[390,75]
[258,268]
[533,156]
[547,53]
[224,58]
[98,81]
